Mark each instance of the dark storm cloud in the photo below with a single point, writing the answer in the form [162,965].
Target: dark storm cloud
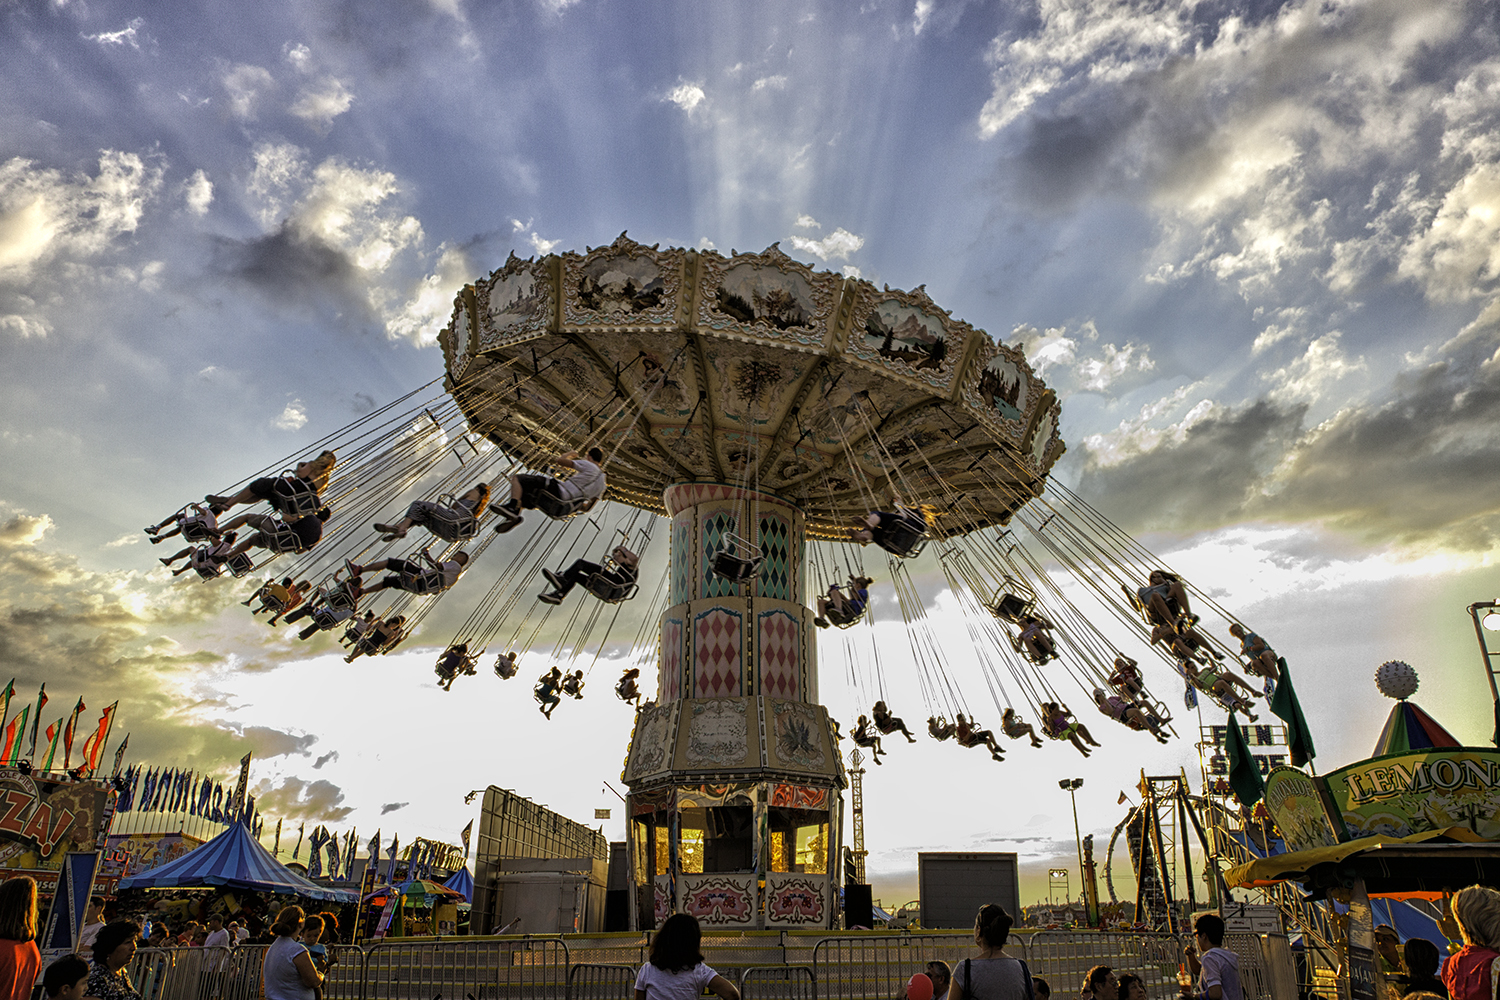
[391,807]
[1423,466]
[295,267]
[1064,155]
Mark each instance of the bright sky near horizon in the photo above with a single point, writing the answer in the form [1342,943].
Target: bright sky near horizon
[1254,246]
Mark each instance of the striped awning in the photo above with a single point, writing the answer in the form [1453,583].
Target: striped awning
[234,860]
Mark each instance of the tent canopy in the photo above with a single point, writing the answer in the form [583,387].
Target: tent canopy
[234,860]
[1410,728]
[462,881]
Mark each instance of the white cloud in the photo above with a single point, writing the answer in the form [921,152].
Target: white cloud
[321,103]
[198,193]
[1046,348]
[1097,374]
[426,311]
[920,15]
[686,96]
[293,418]
[277,167]
[24,326]
[850,271]
[542,246]
[806,222]
[557,6]
[1305,378]
[1457,257]
[1141,434]
[837,245]
[770,83]
[244,85]
[125,36]
[44,213]
[299,55]
[706,244]
[129,538]
[342,206]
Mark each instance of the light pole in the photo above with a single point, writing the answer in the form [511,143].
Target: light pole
[1071,786]
[1486,615]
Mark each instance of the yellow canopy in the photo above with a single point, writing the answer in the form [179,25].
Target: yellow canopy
[1279,867]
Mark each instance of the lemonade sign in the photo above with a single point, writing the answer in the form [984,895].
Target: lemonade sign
[1401,794]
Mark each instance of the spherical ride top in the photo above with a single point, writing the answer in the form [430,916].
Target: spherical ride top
[753,370]
[1396,679]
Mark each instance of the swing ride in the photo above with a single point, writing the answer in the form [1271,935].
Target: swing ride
[775,422]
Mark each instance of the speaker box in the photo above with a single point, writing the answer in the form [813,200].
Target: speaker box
[858,910]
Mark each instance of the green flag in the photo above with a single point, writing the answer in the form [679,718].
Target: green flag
[1284,706]
[1244,772]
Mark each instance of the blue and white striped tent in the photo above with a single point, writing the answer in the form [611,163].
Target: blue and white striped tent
[234,860]
[462,881]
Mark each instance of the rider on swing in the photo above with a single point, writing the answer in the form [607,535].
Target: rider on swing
[626,688]
[426,513]
[546,691]
[586,484]
[454,661]
[888,723]
[618,578]
[1015,727]
[840,608]
[862,736]
[968,735]
[896,531]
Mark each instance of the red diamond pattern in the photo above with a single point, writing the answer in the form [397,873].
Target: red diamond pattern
[716,655]
[779,647]
[671,661]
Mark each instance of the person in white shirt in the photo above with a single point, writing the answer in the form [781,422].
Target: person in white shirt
[1218,969]
[586,483]
[241,933]
[218,937]
[93,923]
[410,575]
[676,970]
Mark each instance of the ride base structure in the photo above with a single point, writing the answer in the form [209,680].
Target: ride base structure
[757,404]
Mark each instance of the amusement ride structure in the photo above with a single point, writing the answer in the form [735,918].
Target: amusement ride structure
[775,422]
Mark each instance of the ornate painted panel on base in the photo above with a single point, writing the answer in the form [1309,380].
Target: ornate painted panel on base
[664,905]
[720,900]
[796,900]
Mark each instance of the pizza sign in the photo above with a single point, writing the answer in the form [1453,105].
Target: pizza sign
[47,819]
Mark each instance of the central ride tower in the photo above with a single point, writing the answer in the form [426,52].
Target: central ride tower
[756,404]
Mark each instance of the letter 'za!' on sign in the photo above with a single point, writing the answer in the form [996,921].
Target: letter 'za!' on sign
[1400,794]
[41,822]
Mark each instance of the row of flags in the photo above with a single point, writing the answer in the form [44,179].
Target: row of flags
[1244,774]
[13,735]
[181,790]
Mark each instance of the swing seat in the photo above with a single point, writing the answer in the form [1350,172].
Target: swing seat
[422,584]
[293,497]
[239,565]
[907,537]
[209,571]
[281,539]
[194,531]
[847,619]
[1009,607]
[451,524]
[610,591]
[340,599]
[272,604]
[506,669]
[559,509]
[329,618]
[737,560]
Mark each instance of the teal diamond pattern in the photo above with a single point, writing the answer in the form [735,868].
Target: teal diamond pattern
[682,562]
[714,530]
[775,567]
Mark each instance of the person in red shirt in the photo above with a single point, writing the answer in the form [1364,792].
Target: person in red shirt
[20,959]
[1470,974]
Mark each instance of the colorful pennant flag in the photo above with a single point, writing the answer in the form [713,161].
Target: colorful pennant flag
[465,835]
[14,736]
[1244,773]
[119,753]
[54,733]
[68,732]
[93,747]
[36,720]
[1284,705]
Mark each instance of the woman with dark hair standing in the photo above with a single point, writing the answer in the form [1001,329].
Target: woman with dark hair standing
[992,975]
[113,950]
[677,970]
[20,959]
[289,973]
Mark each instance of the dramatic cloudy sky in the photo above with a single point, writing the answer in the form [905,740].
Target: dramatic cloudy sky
[1255,246]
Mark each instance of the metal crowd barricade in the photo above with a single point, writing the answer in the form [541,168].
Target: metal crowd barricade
[779,982]
[150,971]
[494,969]
[877,963]
[1255,976]
[588,981]
[615,948]
[1063,958]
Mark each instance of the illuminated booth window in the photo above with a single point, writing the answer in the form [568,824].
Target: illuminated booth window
[717,839]
[799,840]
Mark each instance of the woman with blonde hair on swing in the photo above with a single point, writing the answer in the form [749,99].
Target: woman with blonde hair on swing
[309,476]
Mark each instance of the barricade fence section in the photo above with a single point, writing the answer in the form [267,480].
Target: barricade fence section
[497,969]
[797,965]
[1063,958]
[601,982]
[778,982]
[877,964]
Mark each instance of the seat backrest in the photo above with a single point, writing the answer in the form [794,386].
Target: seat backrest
[240,564]
[194,531]
[454,529]
[556,507]
[426,582]
[735,568]
[293,497]
[282,539]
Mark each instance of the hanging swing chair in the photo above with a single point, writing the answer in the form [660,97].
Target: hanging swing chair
[737,559]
